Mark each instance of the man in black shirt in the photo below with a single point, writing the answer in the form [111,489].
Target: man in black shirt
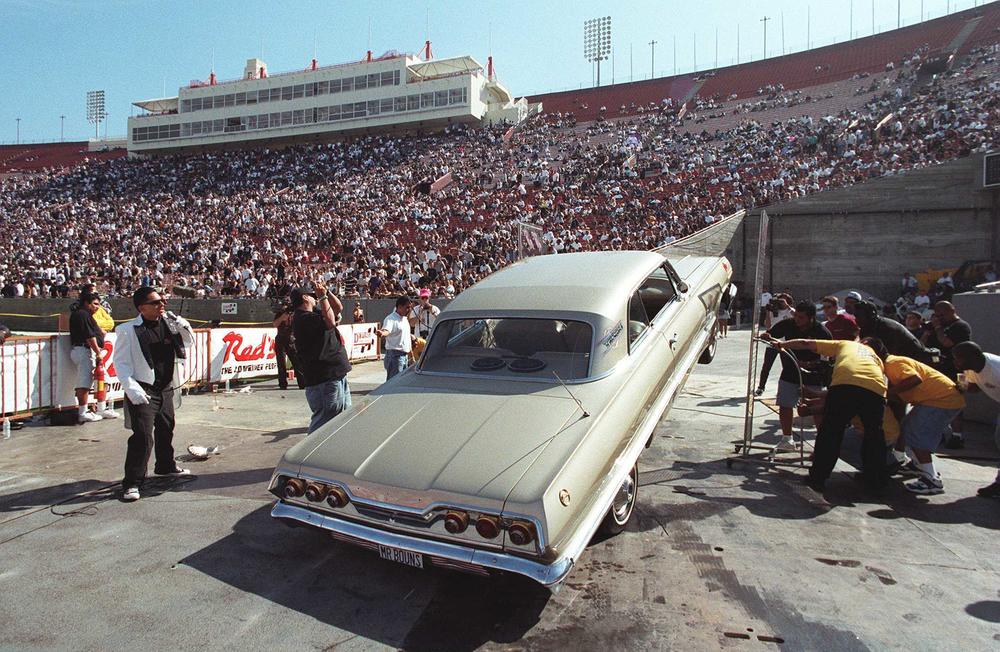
[802,326]
[284,348]
[327,391]
[87,341]
[894,335]
[948,329]
[147,349]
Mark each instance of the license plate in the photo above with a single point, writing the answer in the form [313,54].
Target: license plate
[414,559]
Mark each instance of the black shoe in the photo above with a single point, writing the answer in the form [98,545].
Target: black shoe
[819,486]
[990,491]
[283,387]
[177,471]
[955,442]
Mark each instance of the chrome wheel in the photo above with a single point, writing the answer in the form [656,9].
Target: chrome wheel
[624,500]
[622,505]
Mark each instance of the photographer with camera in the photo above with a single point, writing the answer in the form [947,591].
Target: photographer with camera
[424,314]
[322,354]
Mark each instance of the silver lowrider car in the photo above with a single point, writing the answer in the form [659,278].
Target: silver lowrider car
[517,434]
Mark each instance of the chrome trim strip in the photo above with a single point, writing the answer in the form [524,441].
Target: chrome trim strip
[623,465]
[549,575]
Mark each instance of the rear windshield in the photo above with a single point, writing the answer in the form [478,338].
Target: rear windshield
[514,347]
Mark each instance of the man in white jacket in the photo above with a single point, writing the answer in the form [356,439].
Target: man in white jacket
[149,354]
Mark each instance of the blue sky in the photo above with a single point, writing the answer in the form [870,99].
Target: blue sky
[54,51]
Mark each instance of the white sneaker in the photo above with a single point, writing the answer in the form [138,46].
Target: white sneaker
[90,417]
[131,494]
[786,444]
[108,414]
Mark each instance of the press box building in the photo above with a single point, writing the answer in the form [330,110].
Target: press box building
[395,92]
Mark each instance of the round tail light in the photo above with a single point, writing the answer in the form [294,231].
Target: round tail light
[521,534]
[294,488]
[456,522]
[315,492]
[337,497]
[488,527]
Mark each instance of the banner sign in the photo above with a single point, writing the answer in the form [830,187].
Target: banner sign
[38,373]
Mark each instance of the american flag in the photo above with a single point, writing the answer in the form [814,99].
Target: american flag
[529,241]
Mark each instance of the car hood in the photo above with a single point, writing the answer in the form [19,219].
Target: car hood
[417,446]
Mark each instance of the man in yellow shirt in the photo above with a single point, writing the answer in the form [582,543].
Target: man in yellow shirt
[858,389]
[935,401]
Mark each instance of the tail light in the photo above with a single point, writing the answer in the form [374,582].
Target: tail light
[456,522]
[294,488]
[520,533]
[488,527]
[337,497]
[315,492]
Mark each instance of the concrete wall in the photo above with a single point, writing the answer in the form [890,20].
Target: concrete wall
[868,235]
[32,315]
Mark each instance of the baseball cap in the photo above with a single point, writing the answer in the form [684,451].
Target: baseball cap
[424,293]
[853,295]
[296,295]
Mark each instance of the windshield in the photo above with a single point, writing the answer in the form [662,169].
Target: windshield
[514,347]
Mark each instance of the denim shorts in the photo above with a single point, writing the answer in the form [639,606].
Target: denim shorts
[86,362]
[923,426]
[788,393]
[327,400]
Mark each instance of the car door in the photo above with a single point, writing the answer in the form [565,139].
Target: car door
[652,347]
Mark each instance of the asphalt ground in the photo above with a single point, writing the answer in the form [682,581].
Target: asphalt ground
[740,558]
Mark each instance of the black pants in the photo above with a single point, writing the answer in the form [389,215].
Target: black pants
[843,403]
[283,349]
[152,430]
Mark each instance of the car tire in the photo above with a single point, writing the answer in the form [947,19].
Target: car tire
[709,353]
[623,505]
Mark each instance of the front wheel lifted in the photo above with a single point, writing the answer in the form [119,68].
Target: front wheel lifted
[622,505]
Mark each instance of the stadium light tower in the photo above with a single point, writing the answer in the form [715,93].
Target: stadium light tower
[764,20]
[597,41]
[95,111]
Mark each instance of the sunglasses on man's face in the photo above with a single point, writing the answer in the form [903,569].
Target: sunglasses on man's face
[157,302]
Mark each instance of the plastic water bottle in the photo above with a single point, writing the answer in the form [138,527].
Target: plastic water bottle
[6,428]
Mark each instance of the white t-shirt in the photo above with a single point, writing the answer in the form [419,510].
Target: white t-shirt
[988,379]
[399,333]
[425,317]
[922,301]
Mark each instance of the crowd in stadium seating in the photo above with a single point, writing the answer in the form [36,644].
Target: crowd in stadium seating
[358,215]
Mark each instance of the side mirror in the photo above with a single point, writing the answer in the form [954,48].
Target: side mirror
[683,287]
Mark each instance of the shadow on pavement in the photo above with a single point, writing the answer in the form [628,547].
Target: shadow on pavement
[340,585]
[280,435]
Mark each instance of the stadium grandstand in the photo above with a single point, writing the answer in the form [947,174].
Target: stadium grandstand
[42,156]
[954,34]
[629,166]
[394,92]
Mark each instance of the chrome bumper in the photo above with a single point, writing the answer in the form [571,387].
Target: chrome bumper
[454,556]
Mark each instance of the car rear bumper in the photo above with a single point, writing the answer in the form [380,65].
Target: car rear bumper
[444,555]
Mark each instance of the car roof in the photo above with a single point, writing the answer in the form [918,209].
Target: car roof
[593,282]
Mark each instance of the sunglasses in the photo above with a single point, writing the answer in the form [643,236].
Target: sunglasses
[158,302]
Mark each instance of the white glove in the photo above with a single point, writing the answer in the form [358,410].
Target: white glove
[137,396]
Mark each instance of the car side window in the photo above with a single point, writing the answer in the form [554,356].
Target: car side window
[656,293]
[638,321]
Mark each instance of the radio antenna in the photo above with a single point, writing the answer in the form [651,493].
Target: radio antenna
[566,387]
